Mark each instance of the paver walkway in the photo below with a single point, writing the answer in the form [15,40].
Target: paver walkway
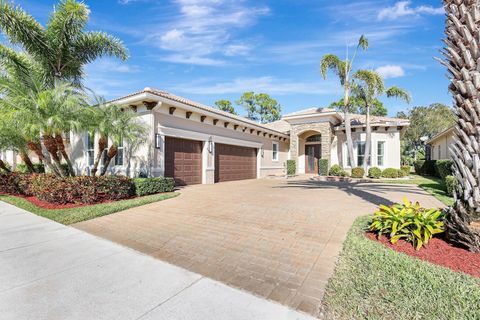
[276,238]
[50,271]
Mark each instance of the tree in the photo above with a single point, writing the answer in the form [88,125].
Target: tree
[461,59]
[367,86]
[260,107]
[426,121]
[358,107]
[62,48]
[226,106]
[343,69]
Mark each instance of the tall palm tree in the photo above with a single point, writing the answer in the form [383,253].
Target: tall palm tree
[62,48]
[367,86]
[343,69]
[463,64]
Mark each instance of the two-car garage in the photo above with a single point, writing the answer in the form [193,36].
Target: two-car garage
[183,161]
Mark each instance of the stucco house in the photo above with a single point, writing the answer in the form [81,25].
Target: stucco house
[198,144]
[438,147]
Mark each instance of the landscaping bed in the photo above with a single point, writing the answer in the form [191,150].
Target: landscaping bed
[438,252]
[380,283]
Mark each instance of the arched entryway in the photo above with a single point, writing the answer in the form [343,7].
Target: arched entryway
[309,151]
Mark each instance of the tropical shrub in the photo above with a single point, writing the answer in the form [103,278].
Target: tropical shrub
[390,173]
[9,183]
[408,221]
[406,169]
[291,167]
[323,167]
[38,168]
[444,168]
[82,189]
[336,170]
[374,173]
[146,186]
[451,182]
[401,173]
[358,172]
[425,167]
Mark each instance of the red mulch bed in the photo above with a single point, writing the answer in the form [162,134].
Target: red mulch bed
[52,206]
[438,252]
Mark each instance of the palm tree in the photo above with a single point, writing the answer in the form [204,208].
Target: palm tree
[367,86]
[62,48]
[343,69]
[461,53]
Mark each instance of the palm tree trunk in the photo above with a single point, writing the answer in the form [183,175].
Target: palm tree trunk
[102,144]
[27,161]
[51,145]
[462,61]
[348,130]
[36,147]
[4,167]
[112,152]
[368,140]
[61,148]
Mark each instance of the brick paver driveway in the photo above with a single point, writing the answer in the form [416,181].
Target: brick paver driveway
[276,238]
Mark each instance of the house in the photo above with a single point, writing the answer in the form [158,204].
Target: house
[198,144]
[438,147]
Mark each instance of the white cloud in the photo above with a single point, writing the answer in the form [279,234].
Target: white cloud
[203,32]
[390,71]
[267,84]
[403,8]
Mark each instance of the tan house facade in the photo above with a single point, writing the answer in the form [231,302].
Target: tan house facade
[197,144]
[438,147]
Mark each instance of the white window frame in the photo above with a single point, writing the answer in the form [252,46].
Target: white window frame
[384,152]
[89,136]
[275,152]
[121,147]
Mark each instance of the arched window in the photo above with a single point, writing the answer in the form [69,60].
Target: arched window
[315,138]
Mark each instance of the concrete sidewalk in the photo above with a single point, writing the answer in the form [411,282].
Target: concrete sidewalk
[50,271]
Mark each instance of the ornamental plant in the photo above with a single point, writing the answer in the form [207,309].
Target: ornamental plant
[374,173]
[358,172]
[408,221]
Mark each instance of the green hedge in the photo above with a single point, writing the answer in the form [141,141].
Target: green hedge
[390,173]
[38,167]
[405,169]
[444,168]
[323,167]
[337,171]
[425,167]
[146,186]
[451,183]
[374,173]
[291,167]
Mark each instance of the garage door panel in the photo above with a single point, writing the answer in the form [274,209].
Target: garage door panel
[183,160]
[234,163]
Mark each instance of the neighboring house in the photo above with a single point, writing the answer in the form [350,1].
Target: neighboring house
[197,144]
[438,147]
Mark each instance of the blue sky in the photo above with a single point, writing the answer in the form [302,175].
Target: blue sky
[217,49]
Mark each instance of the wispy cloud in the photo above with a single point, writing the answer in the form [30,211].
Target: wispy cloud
[404,8]
[268,84]
[203,32]
[390,71]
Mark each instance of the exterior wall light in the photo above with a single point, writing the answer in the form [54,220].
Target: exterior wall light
[210,145]
[262,151]
[158,141]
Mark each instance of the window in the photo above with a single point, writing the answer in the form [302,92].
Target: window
[90,146]
[360,153]
[380,153]
[275,151]
[315,138]
[119,156]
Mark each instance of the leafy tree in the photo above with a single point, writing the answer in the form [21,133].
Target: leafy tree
[427,121]
[226,106]
[358,107]
[62,48]
[343,70]
[260,107]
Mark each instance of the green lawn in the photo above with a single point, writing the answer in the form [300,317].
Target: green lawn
[433,185]
[374,282]
[73,215]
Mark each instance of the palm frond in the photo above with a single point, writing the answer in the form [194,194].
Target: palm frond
[92,45]
[333,63]
[396,92]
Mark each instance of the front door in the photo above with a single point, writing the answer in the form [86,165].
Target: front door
[312,155]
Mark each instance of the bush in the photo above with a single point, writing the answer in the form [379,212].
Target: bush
[425,167]
[451,182]
[81,189]
[358,172]
[406,169]
[37,167]
[146,186]
[291,167]
[336,170]
[374,173]
[409,221]
[401,173]
[390,173]
[444,168]
[323,167]
[9,183]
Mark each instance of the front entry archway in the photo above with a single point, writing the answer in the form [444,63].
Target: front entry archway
[313,153]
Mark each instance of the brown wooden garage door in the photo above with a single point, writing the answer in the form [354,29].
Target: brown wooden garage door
[183,160]
[234,163]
